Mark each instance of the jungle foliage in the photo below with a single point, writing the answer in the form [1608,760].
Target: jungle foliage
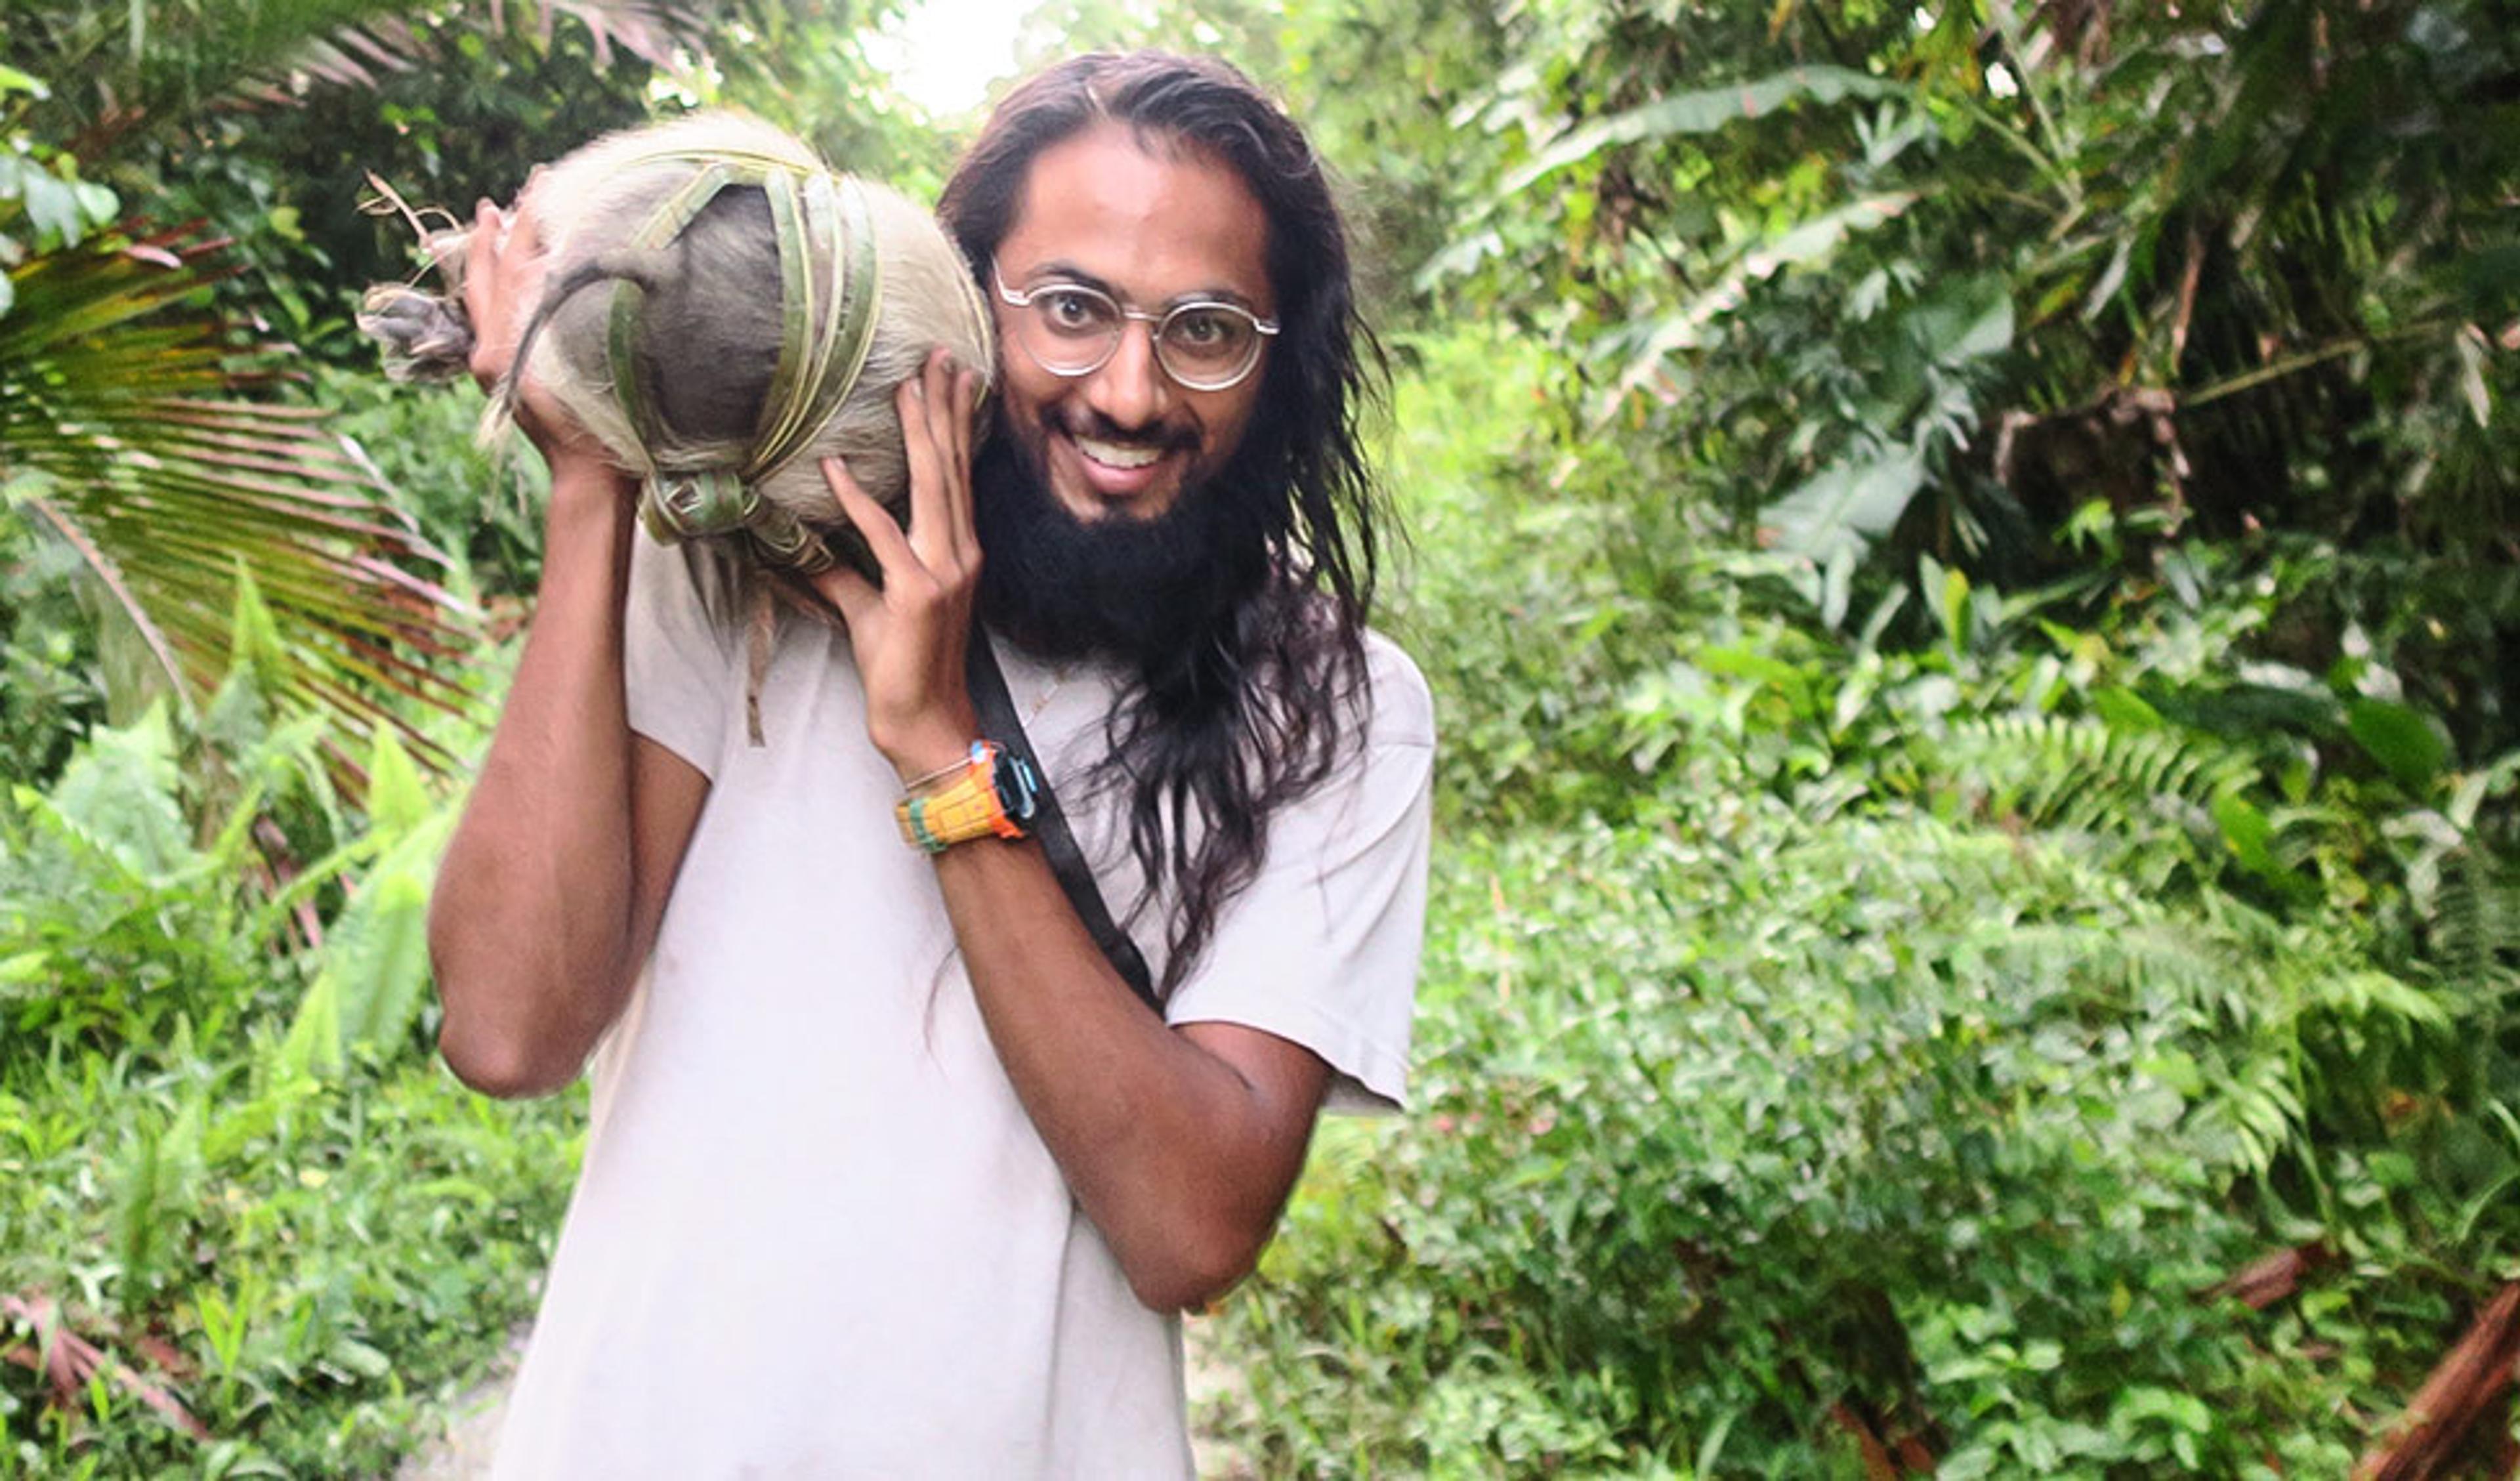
[1968,574]
[1965,557]
[1861,1052]
[248,1227]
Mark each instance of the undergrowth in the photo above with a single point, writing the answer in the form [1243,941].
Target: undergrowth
[249,1225]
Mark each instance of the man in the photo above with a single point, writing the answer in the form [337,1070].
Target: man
[891,1173]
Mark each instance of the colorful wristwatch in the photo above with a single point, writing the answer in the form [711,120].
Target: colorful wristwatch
[991,792]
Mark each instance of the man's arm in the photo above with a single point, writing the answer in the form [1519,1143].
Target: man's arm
[552,887]
[551,890]
[1181,1145]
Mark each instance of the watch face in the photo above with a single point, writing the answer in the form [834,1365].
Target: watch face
[1018,791]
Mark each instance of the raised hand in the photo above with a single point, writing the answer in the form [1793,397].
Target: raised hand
[910,636]
[504,266]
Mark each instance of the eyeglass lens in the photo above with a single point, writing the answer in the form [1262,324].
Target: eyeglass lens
[1202,345]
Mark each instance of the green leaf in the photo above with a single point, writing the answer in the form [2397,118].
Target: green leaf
[2247,832]
[1711,1448]
[313,1046]
[397,800]
[1700,111]
[1837,584]
[1986,332]
[387,964]
[95,201]
[357,1357]
[120,791]
[1952,607]
[52,209]
[1804,244]
[255,654]
[1848,502]
[2400,738]
[2470,344]
[2124,709]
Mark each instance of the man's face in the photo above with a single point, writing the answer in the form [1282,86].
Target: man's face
[1151,230]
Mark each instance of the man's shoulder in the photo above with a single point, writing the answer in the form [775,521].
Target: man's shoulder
[1402,708]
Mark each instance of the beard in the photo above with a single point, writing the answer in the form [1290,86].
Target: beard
[1145,592]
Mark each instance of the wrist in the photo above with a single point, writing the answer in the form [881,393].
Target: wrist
[920,751]
[590,479]
[587,526]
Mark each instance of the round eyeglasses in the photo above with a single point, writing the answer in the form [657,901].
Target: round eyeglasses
[1068,329]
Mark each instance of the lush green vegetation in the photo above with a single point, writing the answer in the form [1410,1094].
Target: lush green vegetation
[1972,592]
[1967,558]
[242,1200]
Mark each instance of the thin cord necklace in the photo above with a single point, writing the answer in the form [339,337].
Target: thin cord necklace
[1060,674]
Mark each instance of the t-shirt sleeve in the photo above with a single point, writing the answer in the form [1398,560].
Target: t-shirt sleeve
[679,664]
[1322,949]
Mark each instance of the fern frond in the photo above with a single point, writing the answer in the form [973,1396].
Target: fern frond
[2083,776]
[2475,926]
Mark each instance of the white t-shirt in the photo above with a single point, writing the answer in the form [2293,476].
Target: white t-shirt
[815,1234]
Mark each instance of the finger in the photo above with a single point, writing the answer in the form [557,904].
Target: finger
[851,594]
[942,380]
[931,529]
[891,549]
[520,270]
[483,295]
[525,231]
[967,405]
[521,264]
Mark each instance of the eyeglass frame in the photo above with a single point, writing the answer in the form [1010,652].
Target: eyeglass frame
[1023,298]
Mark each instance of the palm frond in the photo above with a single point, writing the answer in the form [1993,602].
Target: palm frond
[657,32]
[154,60]
[120,423]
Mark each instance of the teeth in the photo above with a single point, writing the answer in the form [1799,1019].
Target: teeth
[1113,455]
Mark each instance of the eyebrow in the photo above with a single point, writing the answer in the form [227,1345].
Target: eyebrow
[1069,272]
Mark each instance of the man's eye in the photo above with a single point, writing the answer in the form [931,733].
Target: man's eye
[1205,331]
[1068,308]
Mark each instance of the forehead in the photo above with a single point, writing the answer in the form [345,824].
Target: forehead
[1156,222]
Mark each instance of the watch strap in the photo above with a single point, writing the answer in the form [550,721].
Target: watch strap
[988,794]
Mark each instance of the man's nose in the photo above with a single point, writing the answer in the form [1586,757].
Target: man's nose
[1131,388]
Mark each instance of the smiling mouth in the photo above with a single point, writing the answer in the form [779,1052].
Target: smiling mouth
[1118,455]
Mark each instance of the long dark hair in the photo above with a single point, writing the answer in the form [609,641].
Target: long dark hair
[1252,709]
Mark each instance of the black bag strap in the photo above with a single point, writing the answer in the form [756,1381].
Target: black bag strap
[997,721]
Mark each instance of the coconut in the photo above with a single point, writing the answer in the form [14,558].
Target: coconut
[722,310]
